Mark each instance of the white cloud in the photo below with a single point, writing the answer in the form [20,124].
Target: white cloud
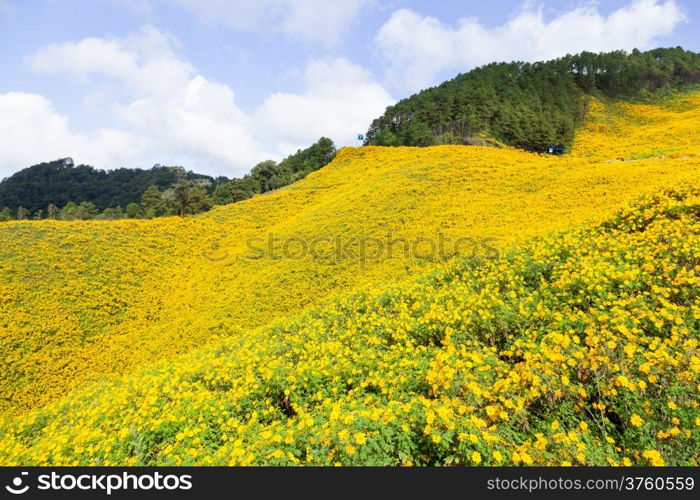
[341,100]
[143,62]
[161,110]
[32,132]
[178,115]
[317,21]
[197,125]
[416,49]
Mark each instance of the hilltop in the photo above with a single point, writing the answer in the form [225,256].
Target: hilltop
[531,106]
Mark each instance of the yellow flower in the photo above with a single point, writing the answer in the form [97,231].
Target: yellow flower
[654,457]
[476,457]
[360,438]
[636,420]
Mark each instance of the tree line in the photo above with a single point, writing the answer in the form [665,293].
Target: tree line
[61,181]
[529,105]
[526,105]
[177,192]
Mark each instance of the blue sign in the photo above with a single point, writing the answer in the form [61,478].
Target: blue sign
[360,137]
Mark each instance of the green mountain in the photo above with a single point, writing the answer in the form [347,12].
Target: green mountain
[59,182]
[530,106]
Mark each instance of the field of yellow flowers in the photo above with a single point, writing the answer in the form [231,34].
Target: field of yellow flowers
[166,342]
[577,348]
[639,131]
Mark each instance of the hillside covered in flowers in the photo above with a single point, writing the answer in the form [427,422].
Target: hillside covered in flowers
[564,330]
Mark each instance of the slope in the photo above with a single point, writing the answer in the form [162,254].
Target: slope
[620,130]
[85,301]
[576,348]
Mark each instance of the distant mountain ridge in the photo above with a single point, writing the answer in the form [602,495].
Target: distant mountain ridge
[61,181]
[61,190]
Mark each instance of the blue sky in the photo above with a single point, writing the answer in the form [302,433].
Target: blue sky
[218,85]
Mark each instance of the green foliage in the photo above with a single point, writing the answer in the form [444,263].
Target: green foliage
[530,106]
[107,213]
[22,213]
[266,175]
[70,211]
[86,210]
[233,191]
[133,210]
[151,202]
[269,175]
[52,211]
[60,181]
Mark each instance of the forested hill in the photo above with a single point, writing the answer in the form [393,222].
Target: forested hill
[62,190]
[527,105]
[59,182]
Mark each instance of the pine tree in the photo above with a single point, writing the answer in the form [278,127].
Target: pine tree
[69,212]
[86,210]
[133,211]
[151,202]
[22,213]
[52,211]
